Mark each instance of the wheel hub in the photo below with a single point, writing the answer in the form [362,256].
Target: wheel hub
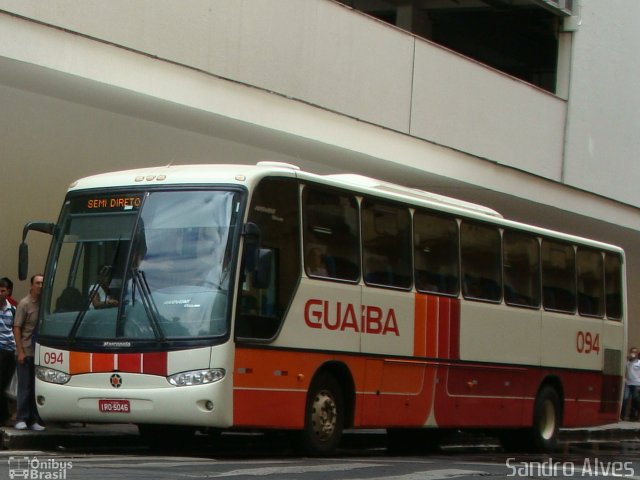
[324,415]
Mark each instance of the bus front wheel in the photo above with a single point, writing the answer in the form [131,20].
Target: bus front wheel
[324,416]
[546,420]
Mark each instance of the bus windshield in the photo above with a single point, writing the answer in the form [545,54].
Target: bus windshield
[142,266]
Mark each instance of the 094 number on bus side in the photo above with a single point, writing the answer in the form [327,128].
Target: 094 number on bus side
[587,342]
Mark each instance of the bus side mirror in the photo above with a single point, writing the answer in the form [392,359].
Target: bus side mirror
[23,261]
[23,249]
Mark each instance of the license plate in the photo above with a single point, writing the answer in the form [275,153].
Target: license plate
[114,406]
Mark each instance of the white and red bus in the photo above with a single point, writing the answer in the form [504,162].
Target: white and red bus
[264,297]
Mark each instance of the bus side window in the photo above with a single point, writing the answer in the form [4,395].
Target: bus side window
[435,251]
[480,248]
[613,285]
[386,244]
[261,308]
[590,270]
[331,242]
[521,269]
[558,276]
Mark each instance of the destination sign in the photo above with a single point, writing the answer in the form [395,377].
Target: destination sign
[125,203]
[107,203]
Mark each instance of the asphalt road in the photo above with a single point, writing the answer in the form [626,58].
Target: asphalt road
[272,458]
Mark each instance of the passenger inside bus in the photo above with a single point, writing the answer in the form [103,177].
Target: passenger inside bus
[100,292]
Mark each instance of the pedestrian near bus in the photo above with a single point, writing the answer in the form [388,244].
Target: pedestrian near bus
[631,400]
[10,298]
[24,326]
[7,349]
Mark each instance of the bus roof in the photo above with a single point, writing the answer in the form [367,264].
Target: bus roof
[230,174]
[241,174]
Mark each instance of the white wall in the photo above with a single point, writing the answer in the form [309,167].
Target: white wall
[477,110]
[314,50]
[327,55]
[604,101]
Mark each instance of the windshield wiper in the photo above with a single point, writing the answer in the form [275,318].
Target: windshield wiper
[140,282]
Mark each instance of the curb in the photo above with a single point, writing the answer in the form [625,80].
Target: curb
[599,434]
[61,438]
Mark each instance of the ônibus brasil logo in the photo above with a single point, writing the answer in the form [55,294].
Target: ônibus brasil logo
[38,468]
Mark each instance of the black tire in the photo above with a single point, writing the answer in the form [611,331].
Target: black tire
[546,420]
[324,416]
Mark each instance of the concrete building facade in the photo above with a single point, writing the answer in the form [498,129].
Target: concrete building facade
[91,86]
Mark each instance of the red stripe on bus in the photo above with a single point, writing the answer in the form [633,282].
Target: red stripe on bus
[102,362]
[420,326]
[130,362]
[425,334]
[154,363]
[454,329]
[432,326]
[443,327]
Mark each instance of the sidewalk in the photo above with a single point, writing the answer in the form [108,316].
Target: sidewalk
[104,435]
[623,430]
[70,435]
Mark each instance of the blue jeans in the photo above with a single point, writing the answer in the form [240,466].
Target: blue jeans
[26,401]
[631,402]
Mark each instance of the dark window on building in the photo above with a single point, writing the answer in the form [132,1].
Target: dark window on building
[480,253]
[558,276]
[518,38]
[331,241]
[521,269]
[435,252]
[274,209]
[386,244]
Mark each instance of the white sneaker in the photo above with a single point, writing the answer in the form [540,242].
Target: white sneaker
[20,426]
[37,427]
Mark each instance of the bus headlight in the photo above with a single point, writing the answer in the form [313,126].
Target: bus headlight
[52,376]
[196,377]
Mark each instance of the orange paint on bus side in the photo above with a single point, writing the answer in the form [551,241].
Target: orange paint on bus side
[270,385]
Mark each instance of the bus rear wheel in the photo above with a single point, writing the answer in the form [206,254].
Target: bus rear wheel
[324,416]
[546,420]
